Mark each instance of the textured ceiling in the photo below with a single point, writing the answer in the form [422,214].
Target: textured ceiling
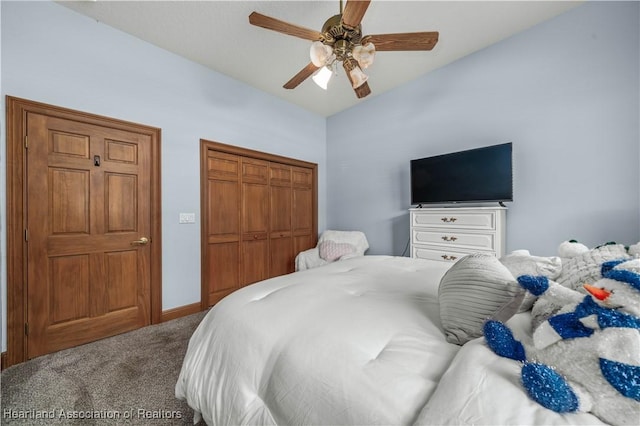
[217,34]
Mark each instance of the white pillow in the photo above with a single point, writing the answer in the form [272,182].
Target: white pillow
[474,289]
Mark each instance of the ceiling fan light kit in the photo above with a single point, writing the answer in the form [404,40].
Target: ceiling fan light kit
[323,56]
[341,40]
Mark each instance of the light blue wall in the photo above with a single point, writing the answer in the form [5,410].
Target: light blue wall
[566,92]
[54,55]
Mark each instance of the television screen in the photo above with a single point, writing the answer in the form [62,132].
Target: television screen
[476,175]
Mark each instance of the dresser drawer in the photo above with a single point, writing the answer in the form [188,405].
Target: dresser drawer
[440,254]
[453,218]
[455,239]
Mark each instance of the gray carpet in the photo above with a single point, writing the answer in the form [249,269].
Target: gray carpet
[129,379]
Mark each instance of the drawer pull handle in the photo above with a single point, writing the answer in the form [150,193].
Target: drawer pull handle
[448,219]
[448,257]
[444,237]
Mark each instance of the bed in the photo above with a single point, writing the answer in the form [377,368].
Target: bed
[357,342]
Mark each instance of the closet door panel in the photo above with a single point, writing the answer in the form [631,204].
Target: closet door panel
[280,186]
[302,243]
[301,211]
[255,263]
[223,218]
[282,256]
[255,236]
[222,270]
[255,209]
[301,177]
[223,274]
[279,174]
[281,241]
[280,216]
[255,221]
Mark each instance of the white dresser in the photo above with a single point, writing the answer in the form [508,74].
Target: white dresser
[447,234]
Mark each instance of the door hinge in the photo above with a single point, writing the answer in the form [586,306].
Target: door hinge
[26,235]
[26,142]
[26,328]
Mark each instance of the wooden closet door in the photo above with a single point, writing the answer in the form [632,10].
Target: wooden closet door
[223,225]
[281,237]
[260,210]
[255,221]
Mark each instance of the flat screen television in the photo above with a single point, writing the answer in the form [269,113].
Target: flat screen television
[476,175]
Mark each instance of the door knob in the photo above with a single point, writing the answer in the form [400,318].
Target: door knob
[141,242]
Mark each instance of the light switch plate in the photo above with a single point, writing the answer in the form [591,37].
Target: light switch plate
[187,218]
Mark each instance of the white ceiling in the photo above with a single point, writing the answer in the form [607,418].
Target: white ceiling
[217,34]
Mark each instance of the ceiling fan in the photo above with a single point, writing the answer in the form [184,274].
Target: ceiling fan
[341,40]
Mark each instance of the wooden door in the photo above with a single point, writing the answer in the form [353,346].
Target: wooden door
[222,213]
[281,237]
[255,221]
[88,231]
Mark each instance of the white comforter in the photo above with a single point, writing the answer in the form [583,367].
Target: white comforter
[353,342]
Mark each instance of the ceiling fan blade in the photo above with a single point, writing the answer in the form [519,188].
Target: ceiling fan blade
[301,76]
[363,90]
[274,24]
[354,11]
[403,41]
